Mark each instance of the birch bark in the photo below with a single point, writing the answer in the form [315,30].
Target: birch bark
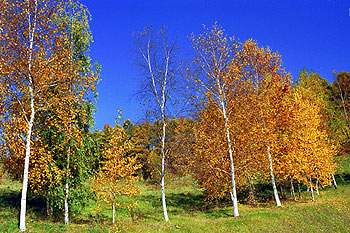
[343,102]
[233,183]
[66,206]
[165,212]
[317,191]
[113,213]
[22,224]
[312,190]
[158,82]
[292,189]
[334,182]
[275,192]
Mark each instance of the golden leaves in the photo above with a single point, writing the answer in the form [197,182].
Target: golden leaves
[118,173]
[262,113]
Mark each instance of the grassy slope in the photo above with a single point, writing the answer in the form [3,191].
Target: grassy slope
[188,213]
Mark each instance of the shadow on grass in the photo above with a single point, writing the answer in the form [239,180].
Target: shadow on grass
[9,199]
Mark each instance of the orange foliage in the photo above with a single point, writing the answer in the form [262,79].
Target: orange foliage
[118,174]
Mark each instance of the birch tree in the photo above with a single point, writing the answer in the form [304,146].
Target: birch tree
[342,82]
[213,56]
[269,82]
[158,63]
[75,19]
[36,69]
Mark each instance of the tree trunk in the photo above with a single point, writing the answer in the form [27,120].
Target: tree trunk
[66,207]
[307,188]
[49,207]
[292,189]
[277,199]
[252,189]
[334,182]
[233,183]
[165,212]
[318,193]
[275,192]
[281,191]
[22,218]
[26,165]
[299,190]
[343,102]
[284,190]
[312,190]
[113,213]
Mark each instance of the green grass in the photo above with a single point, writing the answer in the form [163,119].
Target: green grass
[189,213]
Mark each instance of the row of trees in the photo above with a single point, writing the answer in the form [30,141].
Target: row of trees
[248,123]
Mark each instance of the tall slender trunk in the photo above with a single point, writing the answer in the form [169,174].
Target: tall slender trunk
[113,213]
[312,190]
[299,190]
[343,101]
[66,206]
[334,182]
[165,212]
[275,192]
[277,199]
[233,183]
[26,166]
[31,29]
[292,189]
[317,191]
[307,188]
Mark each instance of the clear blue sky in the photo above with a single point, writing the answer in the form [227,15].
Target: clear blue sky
[307,33]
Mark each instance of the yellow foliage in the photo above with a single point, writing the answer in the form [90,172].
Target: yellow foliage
[118,173]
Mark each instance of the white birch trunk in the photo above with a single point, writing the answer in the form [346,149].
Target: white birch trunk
[317,191]
[307,188]
[161,100]
[113,213]
[275,193]
[343,101]
[334,182]
[22,221]
[312,190]
[233,183]
[299,190]
[165,212]
[292,189]
[66,206]
[22,217]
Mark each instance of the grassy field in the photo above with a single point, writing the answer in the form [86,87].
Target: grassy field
[188,212]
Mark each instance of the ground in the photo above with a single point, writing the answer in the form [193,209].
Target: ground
[189,213]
